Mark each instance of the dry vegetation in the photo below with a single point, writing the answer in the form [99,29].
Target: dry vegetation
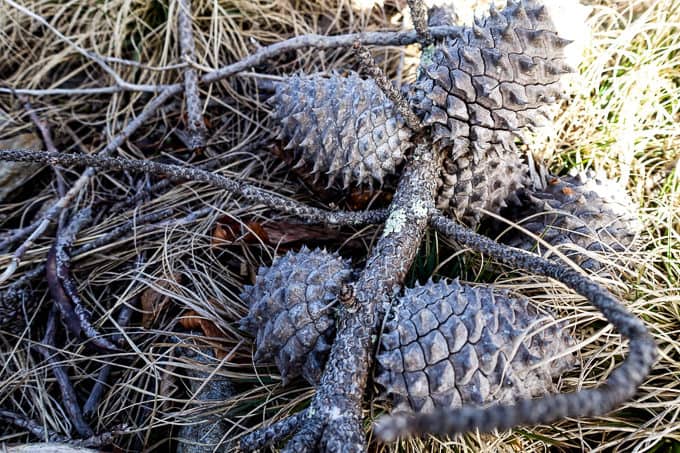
[621,118]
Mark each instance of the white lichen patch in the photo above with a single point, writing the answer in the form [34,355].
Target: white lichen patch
[395,222]
[420,209]
[398,218]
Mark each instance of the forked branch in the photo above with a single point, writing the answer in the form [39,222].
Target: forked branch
[249,192]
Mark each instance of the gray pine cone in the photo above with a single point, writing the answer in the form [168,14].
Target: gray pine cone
[476,92]
[291,313]
[343,127]
[451,345]
[17,305]
[589,213]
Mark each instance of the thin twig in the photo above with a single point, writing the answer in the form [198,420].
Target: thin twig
[68,395]
[163,184]
[47,435]
[32,426]
[110,89]
[369,67]
[40,226]
[86,53]
[249,192]
[62,261]
[376,38]
[123,319]
[49,146]
[619,387]
[419,17]
[196,125]
[54,211]
[273,433]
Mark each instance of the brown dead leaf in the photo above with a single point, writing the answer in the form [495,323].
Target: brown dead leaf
[193,321]
[227,231]
[153,302]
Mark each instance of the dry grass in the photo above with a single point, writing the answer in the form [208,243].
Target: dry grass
[622,118]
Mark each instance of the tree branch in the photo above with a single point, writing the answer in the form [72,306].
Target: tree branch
[369,67]
[335,413]
[376,38]
[271,434]
[419,17]
[68,395]
[196,125]
[249,192]
[620,386]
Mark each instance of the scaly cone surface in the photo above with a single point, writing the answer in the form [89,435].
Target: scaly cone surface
[477,91]
[576,214]
[342,127]
[291,311]
[15,309]
[450,345]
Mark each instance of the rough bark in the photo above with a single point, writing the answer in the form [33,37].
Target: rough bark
[251,193]
[335,414]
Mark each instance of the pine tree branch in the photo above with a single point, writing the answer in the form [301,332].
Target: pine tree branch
[196,125]
[251,193]
[335,413]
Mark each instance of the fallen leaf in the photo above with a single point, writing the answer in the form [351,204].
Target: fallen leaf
[191,320]
[153,302]
[228,230]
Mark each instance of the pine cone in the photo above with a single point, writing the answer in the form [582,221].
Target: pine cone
[291,311]
[343,127]
[451,345]
[476,92]
[441,14]
[589,213]
[15,307]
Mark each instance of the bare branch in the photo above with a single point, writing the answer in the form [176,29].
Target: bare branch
[68,395]
[249,192]
[369,67]
[46,435]
[377,38]
[111,89]
[32,426]
[196,125]
[274,433]
[99,387]
[60,260]
[86,53]
[39,227]
[54,211]
[620,386]
[419,17]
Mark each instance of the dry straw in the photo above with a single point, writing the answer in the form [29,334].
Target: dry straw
[622,118]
